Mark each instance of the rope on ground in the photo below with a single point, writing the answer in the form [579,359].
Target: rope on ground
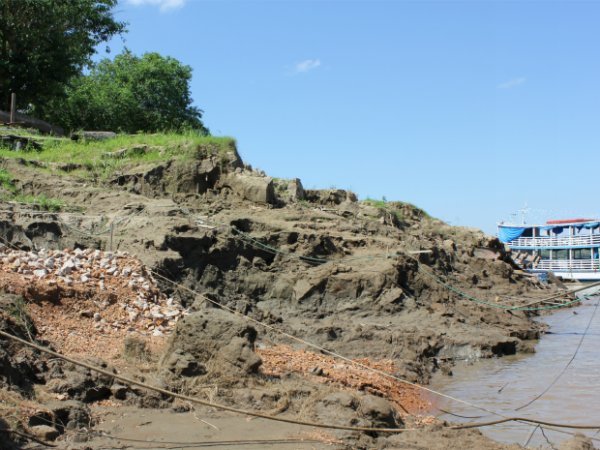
[462,294]
[26,436]
[530,436]
[564,369]
[367,367]
[116,220]
[183,444]
[547,440]
[530,420]
[244,412]
[275,251]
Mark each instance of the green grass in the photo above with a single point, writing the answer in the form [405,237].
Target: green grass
[12,194]
[397,208]
[160,147]
[376,203]
[6,181]
[95,160]
[43,202]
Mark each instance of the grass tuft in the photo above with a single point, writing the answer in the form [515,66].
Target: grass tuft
[43,202]
[6,181]
[12,194]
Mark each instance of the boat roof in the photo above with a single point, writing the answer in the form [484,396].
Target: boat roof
[559,223]
[508,232]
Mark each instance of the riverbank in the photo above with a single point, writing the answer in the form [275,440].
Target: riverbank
[203,276]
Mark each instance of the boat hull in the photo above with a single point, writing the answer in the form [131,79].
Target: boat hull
[574,275]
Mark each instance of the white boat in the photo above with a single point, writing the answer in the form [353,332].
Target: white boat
[567,248]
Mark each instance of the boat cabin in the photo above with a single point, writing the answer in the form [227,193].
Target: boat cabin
[568,248]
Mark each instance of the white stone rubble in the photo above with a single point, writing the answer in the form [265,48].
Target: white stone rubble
[150,308]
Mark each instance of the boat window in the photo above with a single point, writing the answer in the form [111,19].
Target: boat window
[545,254]
[527,232]
[560,254]
[582,253]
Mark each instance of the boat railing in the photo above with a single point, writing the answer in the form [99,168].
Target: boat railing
[553,241]
[566,265]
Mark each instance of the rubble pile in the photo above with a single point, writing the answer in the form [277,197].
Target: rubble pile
[143,305]
[282,359]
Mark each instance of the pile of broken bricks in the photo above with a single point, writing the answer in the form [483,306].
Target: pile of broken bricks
[90,269]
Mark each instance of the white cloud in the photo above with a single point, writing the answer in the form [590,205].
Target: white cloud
[514,82]
[307,65]
[163,5]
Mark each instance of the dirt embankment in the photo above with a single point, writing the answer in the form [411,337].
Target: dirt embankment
[368,281]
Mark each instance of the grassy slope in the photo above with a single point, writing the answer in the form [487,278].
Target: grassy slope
[160,147]
[92,159]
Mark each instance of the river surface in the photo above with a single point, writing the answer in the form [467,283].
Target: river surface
[504,384]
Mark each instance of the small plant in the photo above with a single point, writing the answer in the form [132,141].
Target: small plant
[49,204]
[43,202]
[12,194]
[6,181]
[18,311]
[376,203]
[399,215]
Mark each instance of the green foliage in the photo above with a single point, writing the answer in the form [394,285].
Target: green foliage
[131,94]
[44,43]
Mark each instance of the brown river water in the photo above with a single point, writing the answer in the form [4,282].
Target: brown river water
[504,384]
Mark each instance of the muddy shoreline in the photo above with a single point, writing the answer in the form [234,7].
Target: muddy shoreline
[306,267]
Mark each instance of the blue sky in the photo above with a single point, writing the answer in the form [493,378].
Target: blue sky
[469,109]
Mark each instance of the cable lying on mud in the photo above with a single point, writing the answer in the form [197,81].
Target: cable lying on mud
[466,296]
[244,412]
[26,436]
[183,444]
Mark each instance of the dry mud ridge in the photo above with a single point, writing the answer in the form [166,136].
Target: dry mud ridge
[153,273]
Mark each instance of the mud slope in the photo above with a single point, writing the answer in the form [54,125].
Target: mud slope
[368,280]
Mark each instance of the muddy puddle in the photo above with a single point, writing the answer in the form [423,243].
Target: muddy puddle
[505,384]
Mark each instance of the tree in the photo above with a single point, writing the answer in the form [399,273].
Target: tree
[44,43]
[130,94]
